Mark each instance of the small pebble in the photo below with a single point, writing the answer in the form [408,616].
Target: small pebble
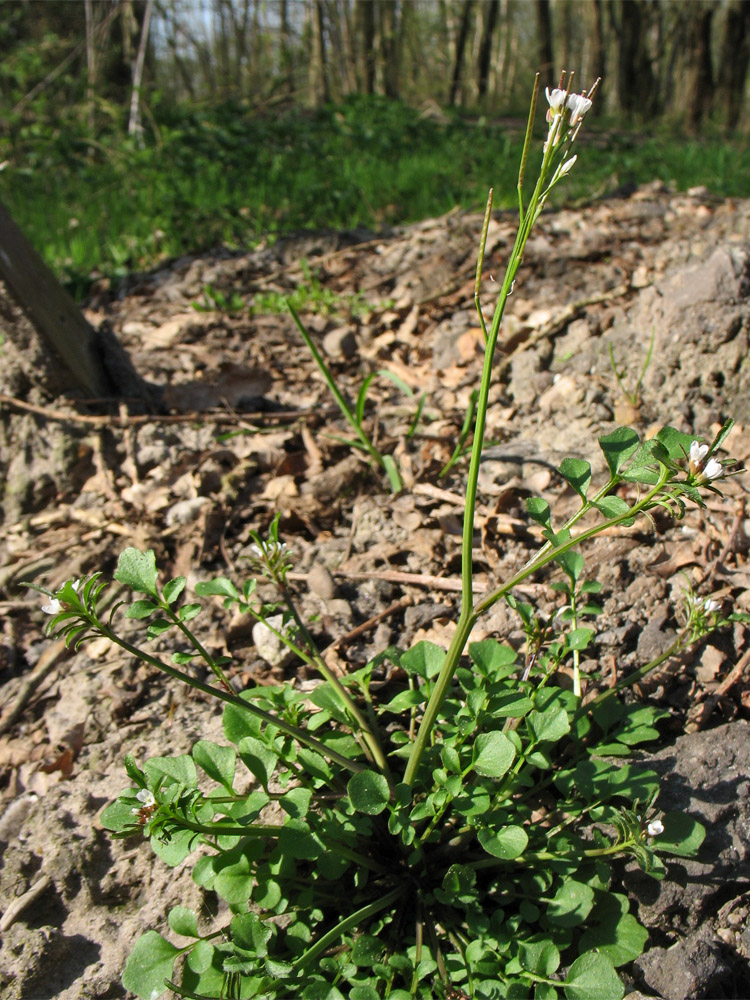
[321,582]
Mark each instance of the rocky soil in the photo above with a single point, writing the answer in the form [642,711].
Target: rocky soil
[248,429]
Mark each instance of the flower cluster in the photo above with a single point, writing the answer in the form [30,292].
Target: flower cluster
[701,469]
[565,113]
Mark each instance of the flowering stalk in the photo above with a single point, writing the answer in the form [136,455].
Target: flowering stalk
[564,117]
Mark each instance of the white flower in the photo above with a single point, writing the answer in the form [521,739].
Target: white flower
[257,551]
[55,606]
[146,797]
[578,105]
[655,828]
[698,453]
[709,605]
[713,470]
[556,101]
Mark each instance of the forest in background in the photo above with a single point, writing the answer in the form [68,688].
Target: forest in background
[133,131]
[686,61]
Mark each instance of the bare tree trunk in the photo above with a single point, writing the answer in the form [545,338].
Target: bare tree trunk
[90,61]
[699,88]
[287,63]
[365,20]
[463,34]
[348,55]
[734,60]
[185,75]
[319,88]
[636,86]
[546,56]
[489,22]
[598,47]
[389,50]
[134,123]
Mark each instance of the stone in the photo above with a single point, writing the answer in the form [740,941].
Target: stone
[321,583]
[707,776]
[340,343]
[268,645]
[690,969]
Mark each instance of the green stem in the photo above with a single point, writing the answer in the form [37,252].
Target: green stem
[372,745]
[197,645]
[533,856]
[676,647]
[356,919]
[232,699]
[369,447]
[469,615]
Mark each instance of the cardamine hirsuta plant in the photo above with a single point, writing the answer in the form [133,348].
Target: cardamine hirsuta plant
[450,833]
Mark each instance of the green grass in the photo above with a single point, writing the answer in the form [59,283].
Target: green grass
[221,176]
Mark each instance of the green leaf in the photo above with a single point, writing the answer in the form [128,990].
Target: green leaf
[367,950]
[618,447]
[298,842]
[682,835]
[578,474]
[644,466]
[173,589]
[540,957]
[363,992]
[314,764]
[189,611]
[545,991]
[405,700]
[179,769]
[200,957]
[296,802]
[251,933]
[234,873]
[579,638]
[513,705]
[158,627]
[325,697]
[572,563]
[571,904]
[368,792]
[258,759]
[539,510]
[612,506]
[493,754]
[508,843]
[218,762]
[183,921]
[137,570]
[424,659]
[141,609]
[676,442]
[548,726]
[614,931]
[391,469]
[150,962]
[183,658]
[220,586]
[460,881]
[118,817]
[494,659]
[451,758]
[592,977]
[721,436]
[239,723]
[176,848]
